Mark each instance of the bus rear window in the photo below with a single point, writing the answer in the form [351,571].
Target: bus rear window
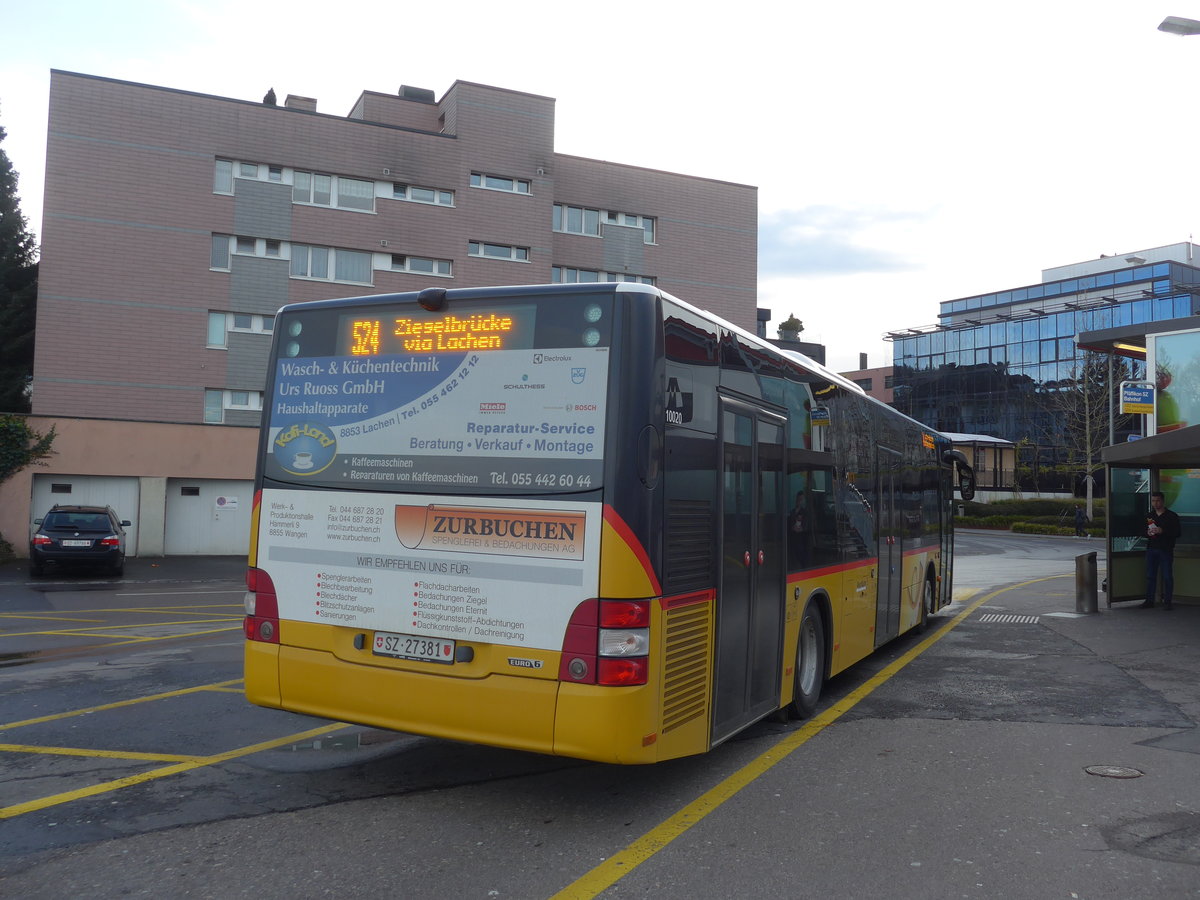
[475,397]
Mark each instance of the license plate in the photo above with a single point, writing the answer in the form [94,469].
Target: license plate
[69,543]
[411,646]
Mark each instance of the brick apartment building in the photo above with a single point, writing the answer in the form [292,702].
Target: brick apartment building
[176,224]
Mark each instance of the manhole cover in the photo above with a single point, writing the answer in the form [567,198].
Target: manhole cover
[1114,771]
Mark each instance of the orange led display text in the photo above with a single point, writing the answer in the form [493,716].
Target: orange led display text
[449,333]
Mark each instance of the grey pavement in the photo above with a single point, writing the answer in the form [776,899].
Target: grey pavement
[1032,751]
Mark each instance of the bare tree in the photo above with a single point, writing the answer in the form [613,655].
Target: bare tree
[1075,413]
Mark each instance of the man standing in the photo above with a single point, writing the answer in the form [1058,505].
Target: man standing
[1162,528]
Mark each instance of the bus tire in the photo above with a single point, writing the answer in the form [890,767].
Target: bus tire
[810,663]
[928,598]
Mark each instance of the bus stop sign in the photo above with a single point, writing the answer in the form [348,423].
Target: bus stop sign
[1137,397]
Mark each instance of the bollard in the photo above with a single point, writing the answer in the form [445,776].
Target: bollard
[1085,583]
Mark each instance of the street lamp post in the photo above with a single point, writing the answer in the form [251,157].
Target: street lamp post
[1180,26]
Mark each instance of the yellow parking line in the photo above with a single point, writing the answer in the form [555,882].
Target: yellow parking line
[97,754]
[47,618]
[625,861]
[9,812]
[100,629]
[218,685]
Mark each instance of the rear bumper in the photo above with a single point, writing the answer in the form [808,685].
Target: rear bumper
[76,557]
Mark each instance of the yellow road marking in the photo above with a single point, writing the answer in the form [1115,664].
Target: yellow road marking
[98,631]
[47,618]
[625,861]
[218,685]
[9,812]
[238,590]
[98,754]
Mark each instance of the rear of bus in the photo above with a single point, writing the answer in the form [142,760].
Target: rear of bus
[438,544]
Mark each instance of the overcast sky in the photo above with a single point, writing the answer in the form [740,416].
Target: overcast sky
[904,153]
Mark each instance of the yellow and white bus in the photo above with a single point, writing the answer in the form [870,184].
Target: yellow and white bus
[588,520]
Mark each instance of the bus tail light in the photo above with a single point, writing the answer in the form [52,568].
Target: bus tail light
[262,608]
[607,642]
[621,672]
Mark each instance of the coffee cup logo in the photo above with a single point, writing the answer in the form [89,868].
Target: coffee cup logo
[304,448]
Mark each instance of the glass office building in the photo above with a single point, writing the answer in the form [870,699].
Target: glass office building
[993,360]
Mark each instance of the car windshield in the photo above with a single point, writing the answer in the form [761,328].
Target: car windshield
[77,522]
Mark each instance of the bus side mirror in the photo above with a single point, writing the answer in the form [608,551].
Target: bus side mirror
[966,475]
[966,482]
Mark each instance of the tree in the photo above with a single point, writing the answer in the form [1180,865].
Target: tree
[18,293]
[20,446]
[790,327]
[1076,413]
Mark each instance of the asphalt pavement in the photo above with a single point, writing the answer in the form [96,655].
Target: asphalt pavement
[1067,746]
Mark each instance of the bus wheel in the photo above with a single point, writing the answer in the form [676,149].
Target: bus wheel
[928,596]
[810,663]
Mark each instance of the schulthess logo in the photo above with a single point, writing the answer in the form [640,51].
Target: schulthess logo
[492,407]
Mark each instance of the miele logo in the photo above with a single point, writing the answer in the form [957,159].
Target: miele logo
[524,663]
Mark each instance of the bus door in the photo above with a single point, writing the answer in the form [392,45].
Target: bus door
[750,602]
[888,535]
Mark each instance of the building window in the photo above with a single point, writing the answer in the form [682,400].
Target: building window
[274,173]
[355,194]
[225,245]
[567,275]
[314,262]
[499,183]
[887,381]
[221,323]
[326,190]
[310,188]
[219,258]
[864,383]
[629,220]
[576,219]
[415,194]
[223,177]
[216,401]
[498,251]
[247,170]
[420,265]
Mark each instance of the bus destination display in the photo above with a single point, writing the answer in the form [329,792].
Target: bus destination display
[450,333]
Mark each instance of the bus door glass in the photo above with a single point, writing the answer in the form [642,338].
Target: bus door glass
[889,534]
[750,603]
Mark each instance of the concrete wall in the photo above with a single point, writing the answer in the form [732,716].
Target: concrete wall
[150,451]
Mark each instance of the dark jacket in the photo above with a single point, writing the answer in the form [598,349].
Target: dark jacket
[1169,523]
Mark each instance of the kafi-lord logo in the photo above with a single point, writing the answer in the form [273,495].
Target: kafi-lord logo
[493,407]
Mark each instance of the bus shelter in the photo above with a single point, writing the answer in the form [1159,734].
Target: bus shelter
[1167,462]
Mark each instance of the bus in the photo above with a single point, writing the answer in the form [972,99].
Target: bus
[587,520]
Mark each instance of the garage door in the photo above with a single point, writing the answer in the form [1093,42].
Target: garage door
[207,517]
[119,492]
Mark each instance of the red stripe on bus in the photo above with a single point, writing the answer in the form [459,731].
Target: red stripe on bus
[687,599]
[833,570]
[625,533]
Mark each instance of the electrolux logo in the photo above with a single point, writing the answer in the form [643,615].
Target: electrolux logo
[539,358]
